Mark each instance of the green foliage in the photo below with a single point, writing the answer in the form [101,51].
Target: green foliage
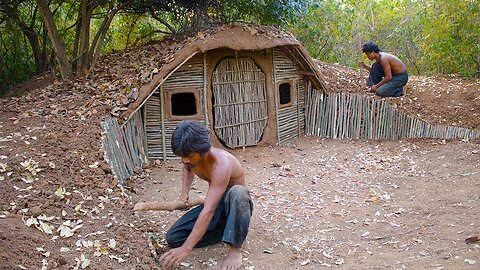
[430,36]
[268,12]
[128,31]
[16,59]
[327,31]
[451,40]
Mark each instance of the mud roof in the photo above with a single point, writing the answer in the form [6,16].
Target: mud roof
[232,36]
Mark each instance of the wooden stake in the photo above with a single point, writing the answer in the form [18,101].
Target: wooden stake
[359,39]
[167,206]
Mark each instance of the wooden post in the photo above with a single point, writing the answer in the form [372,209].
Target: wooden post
[360,52]
[167,206]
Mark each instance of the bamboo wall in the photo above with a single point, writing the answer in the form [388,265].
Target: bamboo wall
[349,116]
[124,147]
[289,119]
[158,126]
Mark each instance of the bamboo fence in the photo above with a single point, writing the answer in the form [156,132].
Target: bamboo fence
[350,116]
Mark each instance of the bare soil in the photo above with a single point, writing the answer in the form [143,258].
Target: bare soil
[322,203]
[319,203]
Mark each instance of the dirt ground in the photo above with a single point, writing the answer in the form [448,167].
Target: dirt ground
[319,203]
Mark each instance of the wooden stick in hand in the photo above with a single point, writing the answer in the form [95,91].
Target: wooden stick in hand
[167,206]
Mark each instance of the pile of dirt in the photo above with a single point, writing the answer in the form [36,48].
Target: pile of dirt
[61,207]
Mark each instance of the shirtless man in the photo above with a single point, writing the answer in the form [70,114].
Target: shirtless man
[388,74]
[227,209]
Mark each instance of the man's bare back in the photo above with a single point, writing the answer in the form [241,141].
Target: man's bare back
[396,65]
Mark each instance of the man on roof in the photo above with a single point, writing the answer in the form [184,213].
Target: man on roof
[227,209]
[388,74]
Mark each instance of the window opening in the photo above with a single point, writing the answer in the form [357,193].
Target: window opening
[285,93]
[183,104]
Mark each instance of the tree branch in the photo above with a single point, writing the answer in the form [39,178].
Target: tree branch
[156,17]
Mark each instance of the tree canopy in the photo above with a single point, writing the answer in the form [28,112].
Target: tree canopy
[68,36]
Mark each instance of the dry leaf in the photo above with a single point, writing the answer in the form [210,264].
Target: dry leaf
[472,239]
[65,231]
[120,260]
[85,262]
[112,243]
[305,262]
[46,228]
[31,221]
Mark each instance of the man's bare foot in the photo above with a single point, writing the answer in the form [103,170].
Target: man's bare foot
[233,260]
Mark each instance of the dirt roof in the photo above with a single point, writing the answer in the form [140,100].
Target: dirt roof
[235,37]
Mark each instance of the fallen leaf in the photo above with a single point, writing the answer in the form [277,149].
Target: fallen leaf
[46,228]
[472,239]
[112,243]
[471,262]
[305,262]
[31,221]
[120,260]
[65,231]
[85,261]
[94,165]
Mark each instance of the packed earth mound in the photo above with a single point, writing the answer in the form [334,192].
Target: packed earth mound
[319,203]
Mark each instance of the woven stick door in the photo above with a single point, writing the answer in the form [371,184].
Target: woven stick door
[239,102]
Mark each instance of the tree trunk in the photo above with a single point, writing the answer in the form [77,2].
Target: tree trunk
[64,64]
[78,28]
[32,36]
[97,43]
[200,18]
[83,57]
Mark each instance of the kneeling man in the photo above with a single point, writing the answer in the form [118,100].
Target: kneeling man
[226,212]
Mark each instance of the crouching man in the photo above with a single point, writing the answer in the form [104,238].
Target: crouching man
[388,75]
[227,209]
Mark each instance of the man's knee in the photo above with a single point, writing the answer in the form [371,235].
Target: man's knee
[172,239]
[387,92]
[239,193]
[240,197]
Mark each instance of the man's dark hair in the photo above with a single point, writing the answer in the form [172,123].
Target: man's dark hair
[370,47]
[190,137]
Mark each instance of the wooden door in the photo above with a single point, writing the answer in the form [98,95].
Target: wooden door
[239,102]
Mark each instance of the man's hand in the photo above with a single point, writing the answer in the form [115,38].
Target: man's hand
[174,257]
[362,64]
[374,88]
